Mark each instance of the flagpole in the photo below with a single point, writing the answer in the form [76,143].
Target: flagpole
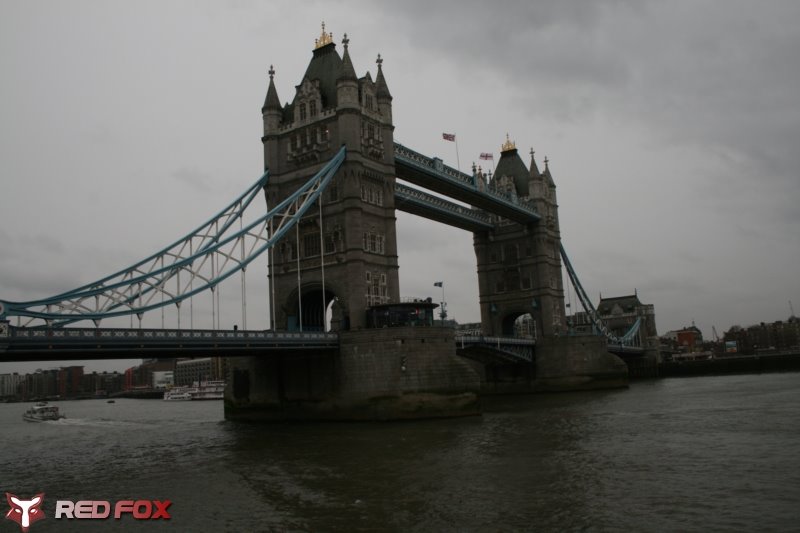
[458,160]
[452,137]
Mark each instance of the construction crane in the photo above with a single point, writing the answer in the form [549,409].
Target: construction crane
[714,331]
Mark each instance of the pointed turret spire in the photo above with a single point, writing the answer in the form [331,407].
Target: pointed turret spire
[534,170]
[272,101]
[382,87]
[547,174]
[348,72]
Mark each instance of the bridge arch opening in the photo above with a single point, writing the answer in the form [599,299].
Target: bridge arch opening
[521,325]
[316,309]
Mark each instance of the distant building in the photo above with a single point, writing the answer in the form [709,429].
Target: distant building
[9,385]
[618,314]
[778,336]
[188,371]
[163,379]
[686,339]
[141,377]
[70,381]
[40,384]
[103,383]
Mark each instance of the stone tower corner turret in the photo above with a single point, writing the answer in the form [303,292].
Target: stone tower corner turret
[272,114]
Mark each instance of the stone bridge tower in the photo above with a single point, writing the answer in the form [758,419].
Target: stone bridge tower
[331,108]
[519,267]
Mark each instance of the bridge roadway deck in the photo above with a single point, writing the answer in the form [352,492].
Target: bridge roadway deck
[62,344]
[39,344]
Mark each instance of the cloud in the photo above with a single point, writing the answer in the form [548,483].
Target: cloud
[198,180]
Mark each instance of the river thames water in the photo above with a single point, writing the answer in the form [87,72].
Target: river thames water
[688,454]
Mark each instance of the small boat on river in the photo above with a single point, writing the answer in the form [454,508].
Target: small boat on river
[42,412]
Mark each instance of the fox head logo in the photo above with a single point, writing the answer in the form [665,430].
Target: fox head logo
[25,512]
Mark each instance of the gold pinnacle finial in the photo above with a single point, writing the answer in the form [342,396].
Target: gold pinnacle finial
[508,145]
[325,38]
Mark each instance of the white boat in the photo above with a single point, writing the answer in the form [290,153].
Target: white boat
[177,394]
[42,412]
[209,390]
[203,390]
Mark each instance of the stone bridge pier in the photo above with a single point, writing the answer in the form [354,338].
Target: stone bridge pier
[376,374]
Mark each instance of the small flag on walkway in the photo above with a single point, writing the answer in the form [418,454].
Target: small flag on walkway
[485,155]
[449,136]
[438,284]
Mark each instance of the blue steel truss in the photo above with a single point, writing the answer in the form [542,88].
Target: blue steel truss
[205,257]
[628,340]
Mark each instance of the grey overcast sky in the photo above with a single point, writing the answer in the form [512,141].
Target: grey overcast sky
[672,129]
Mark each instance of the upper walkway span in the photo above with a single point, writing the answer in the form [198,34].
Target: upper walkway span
[432,174]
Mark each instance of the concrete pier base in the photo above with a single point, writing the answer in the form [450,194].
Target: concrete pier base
[377,374]
[577,363]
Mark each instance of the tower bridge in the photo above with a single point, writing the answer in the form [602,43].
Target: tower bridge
[331,167]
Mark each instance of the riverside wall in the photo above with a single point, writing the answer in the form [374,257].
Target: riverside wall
[742,364]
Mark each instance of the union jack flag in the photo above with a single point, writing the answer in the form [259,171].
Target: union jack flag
[449,136]
[485,155]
